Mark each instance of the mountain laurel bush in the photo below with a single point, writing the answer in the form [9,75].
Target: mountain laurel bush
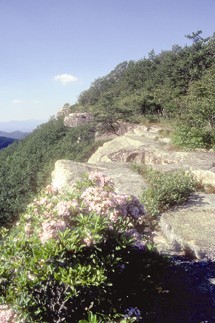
[56,262]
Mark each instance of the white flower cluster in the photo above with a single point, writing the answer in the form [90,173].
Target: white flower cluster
[111,204]
[8,315]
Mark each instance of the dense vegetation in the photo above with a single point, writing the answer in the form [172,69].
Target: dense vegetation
[166,190]
[4,142]
[26,166]
[175,84]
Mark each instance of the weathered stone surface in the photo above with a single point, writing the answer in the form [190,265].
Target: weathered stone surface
[117,147]
[76,119]
[67,172]
[154,151]
[161,156]
[206,177]
[191,228]
[128,155]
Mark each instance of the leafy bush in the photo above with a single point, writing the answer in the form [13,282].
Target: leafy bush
[63,256]
[191,137]
[166,190]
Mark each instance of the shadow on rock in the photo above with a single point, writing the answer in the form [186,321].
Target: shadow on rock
[190,294]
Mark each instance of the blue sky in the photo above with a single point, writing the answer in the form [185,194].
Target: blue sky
[51,50]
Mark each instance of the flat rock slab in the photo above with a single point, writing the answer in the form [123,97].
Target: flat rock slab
[126,181]
[191,228]
[158,155]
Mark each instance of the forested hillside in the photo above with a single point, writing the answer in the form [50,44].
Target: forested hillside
[175,84]
[5,141]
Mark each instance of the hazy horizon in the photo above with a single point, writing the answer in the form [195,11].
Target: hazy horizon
[20,125]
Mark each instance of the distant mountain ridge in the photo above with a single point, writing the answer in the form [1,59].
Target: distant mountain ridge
[20,125]
[14,135]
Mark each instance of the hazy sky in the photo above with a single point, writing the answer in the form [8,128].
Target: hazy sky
[52,50]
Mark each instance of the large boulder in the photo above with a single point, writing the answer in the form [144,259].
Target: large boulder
[120,149]
[191,227]
[149,151]
[77,119]
[126,181]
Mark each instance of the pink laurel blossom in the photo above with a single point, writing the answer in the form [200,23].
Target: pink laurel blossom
[63,208]
[51,230]
[55,213]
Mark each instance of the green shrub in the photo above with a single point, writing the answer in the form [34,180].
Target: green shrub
[191,137]
[166,190]
[141,169]
[152,118]
[93,318]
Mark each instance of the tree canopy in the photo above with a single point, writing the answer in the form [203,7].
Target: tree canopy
[156,84]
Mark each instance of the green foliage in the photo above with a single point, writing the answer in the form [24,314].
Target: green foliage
[166,190]
[93,318]
[197,119]
[151,83]
[191,137]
